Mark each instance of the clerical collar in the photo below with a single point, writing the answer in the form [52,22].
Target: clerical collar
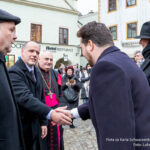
[44,70]
[29,68]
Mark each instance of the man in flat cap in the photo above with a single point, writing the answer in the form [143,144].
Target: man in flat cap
[10,127]
[145,42]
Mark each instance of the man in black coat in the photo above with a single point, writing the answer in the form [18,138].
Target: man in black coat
[28,89]
[10,126]
[145,42]
[119,95]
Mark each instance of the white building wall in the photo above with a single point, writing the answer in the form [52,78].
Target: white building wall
[50,20]
[85,18]
[57,3]
[120,17]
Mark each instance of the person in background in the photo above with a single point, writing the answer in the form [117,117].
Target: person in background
[85,77]
[70,82]
[76,71]
[145,42]
[52,83]
[28,90]
[61,69]
[10,126]
[138,57]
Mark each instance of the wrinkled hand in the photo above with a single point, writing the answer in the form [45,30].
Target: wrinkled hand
[53,123]
[68,83]
[44,131]
[61,118]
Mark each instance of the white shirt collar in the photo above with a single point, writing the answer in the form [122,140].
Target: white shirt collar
[29,69]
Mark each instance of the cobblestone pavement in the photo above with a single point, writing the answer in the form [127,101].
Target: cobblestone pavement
[80,138]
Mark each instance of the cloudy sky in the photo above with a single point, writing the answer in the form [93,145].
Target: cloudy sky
[85,6]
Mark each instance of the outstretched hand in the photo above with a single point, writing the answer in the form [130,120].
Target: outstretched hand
[60,116]
[64,111]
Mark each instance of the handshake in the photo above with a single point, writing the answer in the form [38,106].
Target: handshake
[62,116]
[59,115]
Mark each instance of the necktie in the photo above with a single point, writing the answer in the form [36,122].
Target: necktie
[33,75]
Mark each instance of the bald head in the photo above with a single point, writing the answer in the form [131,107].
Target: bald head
[45,60]
[30,53]
[30,43]
[44,53]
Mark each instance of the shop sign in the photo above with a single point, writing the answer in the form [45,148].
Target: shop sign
[54,49]
[130,44]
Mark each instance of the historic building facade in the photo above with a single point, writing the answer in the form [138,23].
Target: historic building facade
[124,18]
[51,23]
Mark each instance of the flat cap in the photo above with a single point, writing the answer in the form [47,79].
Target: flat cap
[7,17]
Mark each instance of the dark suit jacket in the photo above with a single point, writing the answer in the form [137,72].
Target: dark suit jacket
[119,103]
[10,126]
[30,98]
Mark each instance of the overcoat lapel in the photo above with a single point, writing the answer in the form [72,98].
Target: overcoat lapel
[29,76]
[37,76]
[107,51]
[22,65]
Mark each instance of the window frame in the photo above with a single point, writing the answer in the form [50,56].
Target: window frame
[8,62]
[116,31]
[63,28]
[36,32]
[109,11]
[131,5]
[130,38]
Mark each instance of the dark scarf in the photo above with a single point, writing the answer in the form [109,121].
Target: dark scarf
[69,77]
[146,52]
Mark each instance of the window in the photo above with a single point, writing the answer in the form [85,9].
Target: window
[130,2]
[131,30]
[10,60]
[111,5]
[113,30]
[63,36]
[36,32]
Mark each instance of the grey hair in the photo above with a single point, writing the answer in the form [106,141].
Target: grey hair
[45,51]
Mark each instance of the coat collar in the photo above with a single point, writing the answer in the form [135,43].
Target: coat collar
[146,54]
[23,67]
[2,57]
[107,51]
[145,64]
